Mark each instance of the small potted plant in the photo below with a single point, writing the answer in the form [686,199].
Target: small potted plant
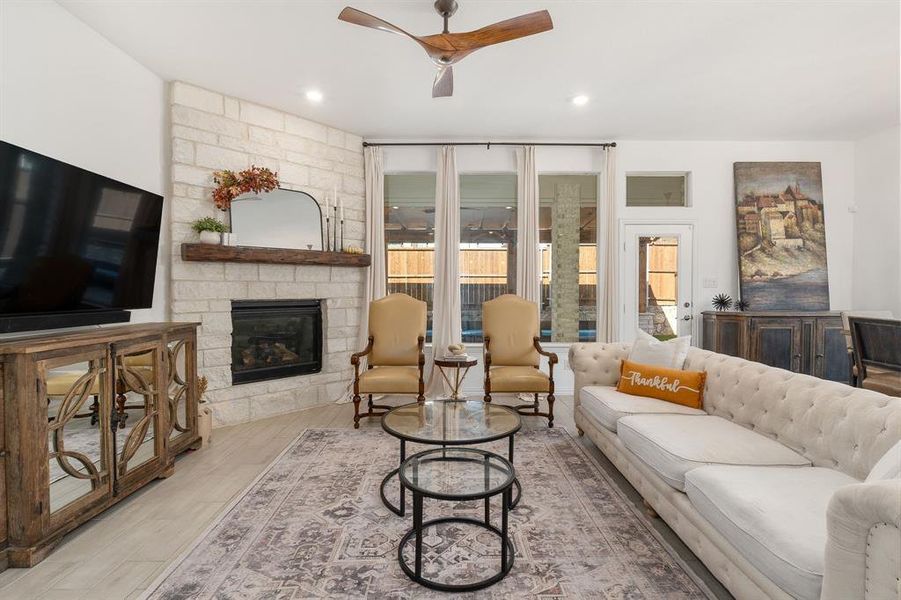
[210,230]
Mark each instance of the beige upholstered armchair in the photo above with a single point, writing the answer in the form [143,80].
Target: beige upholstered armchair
[395,354]
[513,352]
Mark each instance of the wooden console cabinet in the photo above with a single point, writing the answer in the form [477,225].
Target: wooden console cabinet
[804,342]
[87,418]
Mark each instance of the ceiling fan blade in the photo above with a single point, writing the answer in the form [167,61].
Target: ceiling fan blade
[504,31]
[444,82]
[358,17]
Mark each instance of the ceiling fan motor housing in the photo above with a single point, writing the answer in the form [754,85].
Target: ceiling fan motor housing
[446,8]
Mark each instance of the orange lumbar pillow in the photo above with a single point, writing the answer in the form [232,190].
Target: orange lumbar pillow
[680,387]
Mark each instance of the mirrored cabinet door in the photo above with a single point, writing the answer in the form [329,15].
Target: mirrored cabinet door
[180,372]
[78,439]
[137,409]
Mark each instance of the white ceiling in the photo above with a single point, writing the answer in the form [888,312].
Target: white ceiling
[802,69]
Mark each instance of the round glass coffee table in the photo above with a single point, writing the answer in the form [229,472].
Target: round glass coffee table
[457,475]
[448,423]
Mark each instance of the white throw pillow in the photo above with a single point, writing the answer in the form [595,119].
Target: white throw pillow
[887,467]
[670,354]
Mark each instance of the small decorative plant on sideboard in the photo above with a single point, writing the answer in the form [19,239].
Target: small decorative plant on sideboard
[210,230]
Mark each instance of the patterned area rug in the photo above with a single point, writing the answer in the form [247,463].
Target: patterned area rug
[313,526]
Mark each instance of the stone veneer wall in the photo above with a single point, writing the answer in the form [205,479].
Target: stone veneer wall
[210,131]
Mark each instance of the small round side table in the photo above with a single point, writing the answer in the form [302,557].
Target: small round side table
[460,367]
[457,474]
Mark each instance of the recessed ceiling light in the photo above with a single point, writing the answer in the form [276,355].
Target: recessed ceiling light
[509,207]
[394,207]
[314,96]
[580,100]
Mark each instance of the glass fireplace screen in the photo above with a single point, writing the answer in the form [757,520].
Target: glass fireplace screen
[272,339]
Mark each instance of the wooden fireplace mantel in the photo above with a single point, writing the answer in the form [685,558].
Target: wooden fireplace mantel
[281,256]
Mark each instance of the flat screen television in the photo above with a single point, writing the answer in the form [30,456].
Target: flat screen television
[76,248]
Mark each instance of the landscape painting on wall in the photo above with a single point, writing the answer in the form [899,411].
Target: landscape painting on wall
[781,235]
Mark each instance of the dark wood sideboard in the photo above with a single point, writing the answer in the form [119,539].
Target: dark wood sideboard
[804,342]
[86,418]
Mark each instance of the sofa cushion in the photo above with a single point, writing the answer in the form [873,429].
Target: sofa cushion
[669,354]
[773,516]
[606,405]
[672,445]
[887,467]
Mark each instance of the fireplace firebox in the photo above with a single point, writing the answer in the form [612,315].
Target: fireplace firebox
[272,339]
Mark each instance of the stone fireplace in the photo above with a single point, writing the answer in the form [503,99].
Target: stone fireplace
[209,132]
[273,339]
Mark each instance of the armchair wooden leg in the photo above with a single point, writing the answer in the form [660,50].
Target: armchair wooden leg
[580,431]
[536,403]
[550,409]
[487,397]
[357,411]
[369,404]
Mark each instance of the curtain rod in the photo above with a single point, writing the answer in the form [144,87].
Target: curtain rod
[489,144]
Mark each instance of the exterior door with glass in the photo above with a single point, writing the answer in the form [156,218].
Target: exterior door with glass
[657,280]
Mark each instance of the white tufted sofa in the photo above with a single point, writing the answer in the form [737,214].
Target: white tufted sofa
[842,430]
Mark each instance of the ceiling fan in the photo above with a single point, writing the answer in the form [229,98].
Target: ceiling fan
[446,49]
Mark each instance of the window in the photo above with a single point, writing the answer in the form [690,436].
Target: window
[487,245]
[658,285]
[410,236]
[567,236]
[657,189]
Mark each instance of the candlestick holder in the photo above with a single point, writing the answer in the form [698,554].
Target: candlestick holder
[328,236]
[335,237]
[341,249]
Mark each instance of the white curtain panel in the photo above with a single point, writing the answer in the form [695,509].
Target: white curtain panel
[446,328]
[528,266]
[375,282]
[607,322]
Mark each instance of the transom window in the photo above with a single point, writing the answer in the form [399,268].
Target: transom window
[657,189]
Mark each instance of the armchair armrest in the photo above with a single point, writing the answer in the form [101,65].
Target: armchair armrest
[551,356]
[355,357]
[863,544]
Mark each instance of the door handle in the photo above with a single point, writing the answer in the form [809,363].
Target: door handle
[687,318]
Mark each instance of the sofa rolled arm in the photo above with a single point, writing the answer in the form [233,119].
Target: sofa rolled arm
[595,363]
[863,543]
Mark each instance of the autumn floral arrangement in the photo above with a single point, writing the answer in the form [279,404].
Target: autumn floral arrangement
[230,185]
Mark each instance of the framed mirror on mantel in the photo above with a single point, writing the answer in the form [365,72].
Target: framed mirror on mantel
[278,219]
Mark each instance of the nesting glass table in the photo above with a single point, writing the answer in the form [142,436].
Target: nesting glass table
[457,474]
[448,423]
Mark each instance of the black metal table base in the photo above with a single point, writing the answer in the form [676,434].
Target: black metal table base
[415,573]
[401,510]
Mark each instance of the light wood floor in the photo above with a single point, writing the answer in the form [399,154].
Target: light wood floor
[117,555]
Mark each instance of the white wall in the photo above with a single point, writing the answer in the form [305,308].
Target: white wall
[877,223]
[68,93]
[712,197]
